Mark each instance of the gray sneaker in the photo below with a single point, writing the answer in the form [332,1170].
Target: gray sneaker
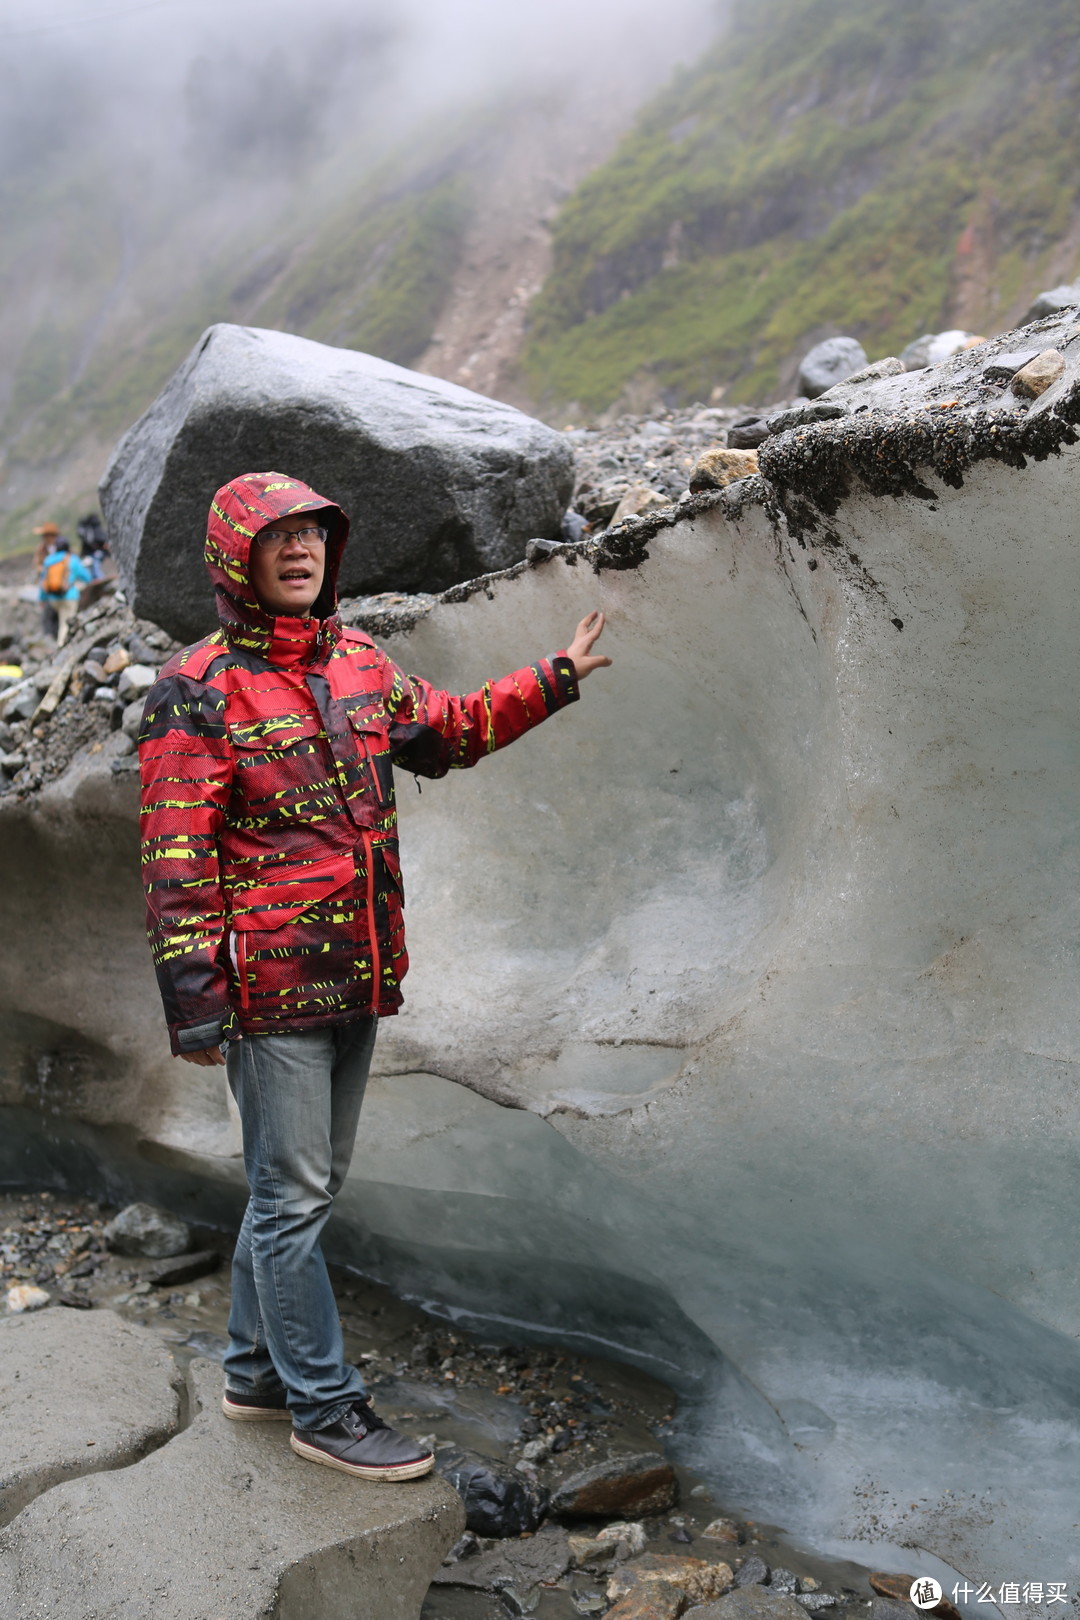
[361,1444]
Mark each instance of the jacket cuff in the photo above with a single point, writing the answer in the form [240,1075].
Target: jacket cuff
[565,679]
[199,1037]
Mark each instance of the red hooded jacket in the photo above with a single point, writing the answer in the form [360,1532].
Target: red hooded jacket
[269,834]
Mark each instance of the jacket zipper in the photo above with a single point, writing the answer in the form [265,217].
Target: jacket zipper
[376,963]
[241,967]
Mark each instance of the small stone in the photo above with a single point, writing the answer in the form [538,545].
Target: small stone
[1005,366]
[131,720]
[898,1589]
[813,1602]
[188,1268]
[747,435]
[697,1579]
[117,660]
[25,1297]
[753,1571]
[135,681]
[94,673]
[104,694]
[630,1535]
[717,468]
[807,1583]
[639,500]
[806,415]
[591,1550]
[1039,374]
[140,1229]
[722,1530]
[538,1450]
[784,1580]
[828,363]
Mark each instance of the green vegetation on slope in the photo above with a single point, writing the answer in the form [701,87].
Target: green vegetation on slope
[819,168]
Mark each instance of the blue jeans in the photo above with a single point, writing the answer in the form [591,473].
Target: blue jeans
[299,1097]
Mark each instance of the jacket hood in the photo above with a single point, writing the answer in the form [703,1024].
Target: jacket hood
[239,510]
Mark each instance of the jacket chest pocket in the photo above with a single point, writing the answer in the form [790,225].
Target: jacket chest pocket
[370,778]
[278,766]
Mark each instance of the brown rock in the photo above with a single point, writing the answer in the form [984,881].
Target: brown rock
[722,1530]
[899,1587]
[650,1603]
[717,468]
[697,1579]
[617,1488]
[1038,375]
[117,660]
[591,1550]
[638,500]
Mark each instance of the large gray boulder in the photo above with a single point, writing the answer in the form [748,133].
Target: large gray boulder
[441,484]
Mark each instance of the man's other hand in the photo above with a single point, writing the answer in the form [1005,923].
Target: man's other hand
[580,651]
[207,1058]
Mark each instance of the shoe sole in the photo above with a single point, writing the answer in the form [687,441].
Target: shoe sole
[255,1414]
[413,1470]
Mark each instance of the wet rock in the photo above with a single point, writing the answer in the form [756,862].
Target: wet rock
[722,1530]
[1039,374]
[140,1229]
[649,1603]
[1005,366]
[546,1556]
[805,415]
[630,1536]
[828,363]
[442,484]
[719,467]
[814,1602]
[753,1571]
[222,1521]
[748,435]
[876,371]
[135,681]
[752,1603]
[894,1590]
[1053,302]
[696,1579]
[643,1483]
[79,1393]
[498,1502]
[785,1581]
[187,1269]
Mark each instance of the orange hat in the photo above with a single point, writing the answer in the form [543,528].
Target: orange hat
[47,528]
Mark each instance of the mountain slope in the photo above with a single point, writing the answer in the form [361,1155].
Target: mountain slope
[883,167]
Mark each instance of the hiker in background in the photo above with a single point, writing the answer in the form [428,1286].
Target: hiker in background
[93,544]
[48,534]
[58,588]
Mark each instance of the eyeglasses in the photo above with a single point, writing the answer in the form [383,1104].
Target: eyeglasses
[274,539]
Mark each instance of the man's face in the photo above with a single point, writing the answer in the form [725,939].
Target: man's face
[287,575]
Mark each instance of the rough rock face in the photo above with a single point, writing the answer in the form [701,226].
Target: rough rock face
[744,1037]
[441,484]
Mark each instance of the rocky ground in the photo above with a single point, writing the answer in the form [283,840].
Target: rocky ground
[573,1507]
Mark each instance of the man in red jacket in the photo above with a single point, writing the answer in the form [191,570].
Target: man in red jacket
[274,911]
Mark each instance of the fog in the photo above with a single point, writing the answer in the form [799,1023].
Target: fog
[255,87]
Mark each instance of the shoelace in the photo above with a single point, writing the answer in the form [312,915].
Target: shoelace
[366,1418]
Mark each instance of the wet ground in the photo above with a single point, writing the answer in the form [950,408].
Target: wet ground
[495,1399]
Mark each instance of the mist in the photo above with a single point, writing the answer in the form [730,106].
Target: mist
[224,89]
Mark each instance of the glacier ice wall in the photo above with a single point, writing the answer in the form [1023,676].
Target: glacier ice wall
[741,1034]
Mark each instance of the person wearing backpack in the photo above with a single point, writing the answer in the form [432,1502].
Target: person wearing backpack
[58,588]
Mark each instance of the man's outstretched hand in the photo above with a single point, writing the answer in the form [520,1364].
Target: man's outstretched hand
[580,651]
[208,1058]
